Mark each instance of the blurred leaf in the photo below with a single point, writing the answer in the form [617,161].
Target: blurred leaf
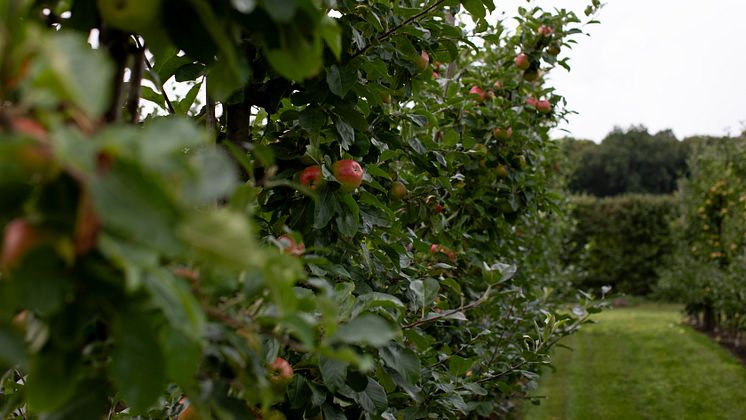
[220,237]
[74,72]
[366,329]
[136,347]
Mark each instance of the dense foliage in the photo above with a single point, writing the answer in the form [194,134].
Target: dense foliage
[154,267]
[709,260]
[631,161]
[620,241]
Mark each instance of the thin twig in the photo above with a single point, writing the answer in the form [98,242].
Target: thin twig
[133,97]
[503,373]
[451,312]
[160,83]
[399,26]
[210,119]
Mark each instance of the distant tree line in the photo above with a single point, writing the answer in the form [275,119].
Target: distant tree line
[630,161]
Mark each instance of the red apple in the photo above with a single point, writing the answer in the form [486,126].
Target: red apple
[436,75]
[438,208]
[544,106]
[280,372]
[30,128]
[349,173]
[521,61]
[545,30]
[290,247]
[311,177]
[434,248]
[476,90]
[423,61]
[532,102]
[20,237]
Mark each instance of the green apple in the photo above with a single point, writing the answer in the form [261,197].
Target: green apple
[130,15]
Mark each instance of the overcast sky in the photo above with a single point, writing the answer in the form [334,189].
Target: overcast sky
[660,63]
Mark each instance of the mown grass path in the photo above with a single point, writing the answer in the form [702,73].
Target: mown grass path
[642,363]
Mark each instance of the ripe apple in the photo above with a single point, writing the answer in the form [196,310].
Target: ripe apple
[436,75]
[280,372]
[423,61]
[130,15]
[349,173]
[438,208]
[544,106]
[545,30]
[19,238]
[532,102]
[521,61]
[434,248]
[189,413]
[30,128]
[476,90]
[290,247]
[398,191]
[311,177]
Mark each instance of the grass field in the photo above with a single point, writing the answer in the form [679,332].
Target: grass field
[641,363]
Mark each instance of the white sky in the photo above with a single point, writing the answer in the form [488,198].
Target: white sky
[661,63]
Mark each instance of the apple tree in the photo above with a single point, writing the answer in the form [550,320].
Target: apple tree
[346,210]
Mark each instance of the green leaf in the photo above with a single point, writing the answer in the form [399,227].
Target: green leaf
[297,57]
[333,372]
[216,176]
[51,379]
[150,95]
[404,361]
[376,299]
[332,35]
[12,348]
[174,297]
[280,10]
[323,209]
[458,365]
[42,282]
[136,347]
[184,356]
[367,329]
[74,72]
[182,107]
[167,63]
[136,206]
[373,398]
[220,237]
[340,80]
[346,133]
[475,8]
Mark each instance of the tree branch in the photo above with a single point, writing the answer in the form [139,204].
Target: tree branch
[160,83]
[399,26]
[133,97]
[451,312]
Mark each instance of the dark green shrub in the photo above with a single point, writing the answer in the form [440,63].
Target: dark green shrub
[620,241]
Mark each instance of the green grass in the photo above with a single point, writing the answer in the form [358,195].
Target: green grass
[641,363]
